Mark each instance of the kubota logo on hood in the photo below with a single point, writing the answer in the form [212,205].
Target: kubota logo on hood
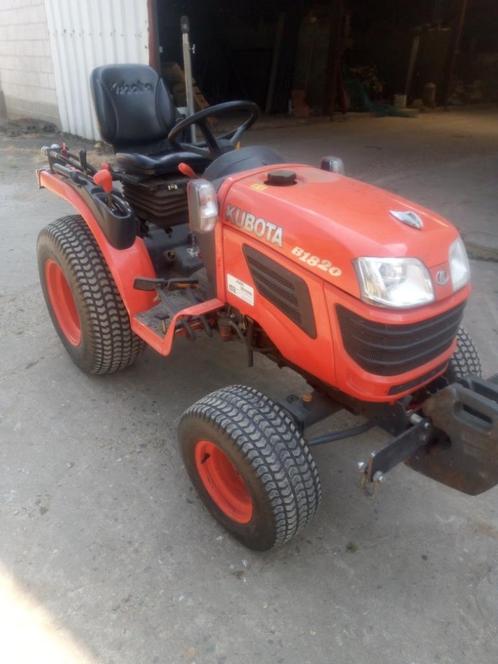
[408,217]
[256,225]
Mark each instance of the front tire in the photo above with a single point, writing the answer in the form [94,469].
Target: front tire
[250,465]
[83,300]
[465,361]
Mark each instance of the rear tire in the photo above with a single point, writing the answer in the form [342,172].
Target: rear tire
[465,361]
[250,465]
[83,300]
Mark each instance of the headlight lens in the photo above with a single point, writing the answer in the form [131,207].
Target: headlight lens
[459,264]
[394,282]
[202,205]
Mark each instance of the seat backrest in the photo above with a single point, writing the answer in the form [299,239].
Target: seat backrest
[133,106]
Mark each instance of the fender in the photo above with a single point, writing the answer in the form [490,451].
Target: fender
[124,264]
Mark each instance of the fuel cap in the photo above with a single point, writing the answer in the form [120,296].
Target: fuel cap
[281,178]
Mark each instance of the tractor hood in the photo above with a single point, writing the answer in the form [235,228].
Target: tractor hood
[324,221]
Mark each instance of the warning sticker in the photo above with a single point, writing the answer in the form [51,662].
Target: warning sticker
[240,289]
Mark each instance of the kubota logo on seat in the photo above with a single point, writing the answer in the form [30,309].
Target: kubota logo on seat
[123,88]
[256,225]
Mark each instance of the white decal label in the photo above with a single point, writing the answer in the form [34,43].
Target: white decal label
[240,289]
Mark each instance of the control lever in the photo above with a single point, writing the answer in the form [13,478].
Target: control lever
[84,162]
[72,174]
[103,178]
[186,170]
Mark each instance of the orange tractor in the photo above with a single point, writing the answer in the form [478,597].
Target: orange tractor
[356,289]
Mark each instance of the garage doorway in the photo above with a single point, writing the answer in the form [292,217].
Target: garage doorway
[314,56]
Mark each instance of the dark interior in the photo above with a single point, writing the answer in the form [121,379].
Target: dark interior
[265,51]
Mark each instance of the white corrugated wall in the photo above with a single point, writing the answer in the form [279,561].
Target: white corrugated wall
[83,35]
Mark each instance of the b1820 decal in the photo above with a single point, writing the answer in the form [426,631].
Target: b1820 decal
[314,261]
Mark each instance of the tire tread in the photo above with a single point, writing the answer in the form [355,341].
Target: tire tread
[465,361]
[270,441]
[114,346]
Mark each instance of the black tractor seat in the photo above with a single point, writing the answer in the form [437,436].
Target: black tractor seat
[135,113]
[161,164]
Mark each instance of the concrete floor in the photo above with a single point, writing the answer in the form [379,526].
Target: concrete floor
[106,556]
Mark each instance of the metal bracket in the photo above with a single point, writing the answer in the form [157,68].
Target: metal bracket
[398,450]
[310,408]
[152,284]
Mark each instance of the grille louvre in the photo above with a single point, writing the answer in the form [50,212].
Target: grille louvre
[287,291]
[388,350]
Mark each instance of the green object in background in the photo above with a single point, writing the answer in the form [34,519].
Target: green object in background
[358,96]
[359,100]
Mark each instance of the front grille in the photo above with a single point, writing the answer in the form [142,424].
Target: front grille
[388,350]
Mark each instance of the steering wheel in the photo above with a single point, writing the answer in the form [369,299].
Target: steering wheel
[213,147]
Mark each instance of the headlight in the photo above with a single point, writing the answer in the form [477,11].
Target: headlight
[459,264]
[394,282]
[202,205]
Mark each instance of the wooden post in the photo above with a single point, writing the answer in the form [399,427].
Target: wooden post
[337,12]
[456,35]
[154,57]
[275,59]
[411,63]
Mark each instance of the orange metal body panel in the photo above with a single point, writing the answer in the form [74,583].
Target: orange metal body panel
[355,381]
[164,344]
[325,356]
[124,264]
[336,219]
[313,355]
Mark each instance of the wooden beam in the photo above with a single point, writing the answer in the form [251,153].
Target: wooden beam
[456,35]
[334,60]
[279,33]
[154,57]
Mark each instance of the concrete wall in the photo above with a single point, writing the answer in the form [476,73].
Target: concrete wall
[26,69]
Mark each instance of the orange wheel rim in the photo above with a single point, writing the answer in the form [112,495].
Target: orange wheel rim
[62,302]
[223,483]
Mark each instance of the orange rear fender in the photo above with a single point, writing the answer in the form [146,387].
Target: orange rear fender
[124,264]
